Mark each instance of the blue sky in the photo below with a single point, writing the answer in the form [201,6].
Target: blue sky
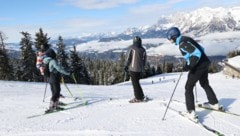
[74,18]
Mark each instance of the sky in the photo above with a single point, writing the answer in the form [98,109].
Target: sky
[76,18]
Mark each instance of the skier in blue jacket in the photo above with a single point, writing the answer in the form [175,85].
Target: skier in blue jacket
[54,80]
[197,63]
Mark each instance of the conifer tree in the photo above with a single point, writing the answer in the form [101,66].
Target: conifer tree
[78,68]
[28,59]
[6,71]
[62,56]
[159,70]
[41,39]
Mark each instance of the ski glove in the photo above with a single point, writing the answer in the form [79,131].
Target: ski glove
[186,67]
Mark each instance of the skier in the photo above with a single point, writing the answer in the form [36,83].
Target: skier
[135,63]
[197,63]
[54,80]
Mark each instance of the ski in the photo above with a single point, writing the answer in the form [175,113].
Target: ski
[207,128]
[73,97]
[45,113]
[62,110]
[222,111]
[200,106]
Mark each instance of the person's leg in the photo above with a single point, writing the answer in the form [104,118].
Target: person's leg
[138,92]
[212,99]
[55,87]
[189,96]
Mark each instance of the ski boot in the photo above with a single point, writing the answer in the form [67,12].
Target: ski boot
[216,106]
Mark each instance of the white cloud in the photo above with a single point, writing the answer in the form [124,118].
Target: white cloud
[82,23]
[98,4]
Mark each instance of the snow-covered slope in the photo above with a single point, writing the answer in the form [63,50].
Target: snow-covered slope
[109,113]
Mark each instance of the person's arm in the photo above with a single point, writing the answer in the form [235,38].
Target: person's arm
[191,54]
[59,68]
[128,58]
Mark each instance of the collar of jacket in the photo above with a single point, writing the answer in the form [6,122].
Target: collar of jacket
[178,40]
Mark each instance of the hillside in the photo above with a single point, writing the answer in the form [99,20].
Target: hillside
[109,113]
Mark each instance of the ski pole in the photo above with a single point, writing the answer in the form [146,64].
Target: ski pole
[172,95]
[125,77]
[196,92]
[74,78]
[66,87]
[81,94]
[46,80]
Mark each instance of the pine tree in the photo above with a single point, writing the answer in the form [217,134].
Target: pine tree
[78,67]
[6,70]
[159,70]
[28,59]
[41,39]
[62,57]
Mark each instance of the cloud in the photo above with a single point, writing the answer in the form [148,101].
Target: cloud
[82,23]
[98,4]
[155,8]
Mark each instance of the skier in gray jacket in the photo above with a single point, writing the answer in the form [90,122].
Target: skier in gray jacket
[135,63]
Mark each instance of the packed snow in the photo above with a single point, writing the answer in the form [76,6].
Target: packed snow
[108,111]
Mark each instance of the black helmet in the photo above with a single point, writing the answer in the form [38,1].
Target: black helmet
[173,33]
[44,47]
[137,41]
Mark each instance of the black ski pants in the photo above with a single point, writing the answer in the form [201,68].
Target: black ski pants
[55,88]
[138,92]
[200,75]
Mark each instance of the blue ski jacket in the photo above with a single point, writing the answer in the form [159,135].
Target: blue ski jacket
[193,53]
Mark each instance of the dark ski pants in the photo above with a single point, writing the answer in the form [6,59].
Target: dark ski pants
[138,92]
[55,88]
[201,76]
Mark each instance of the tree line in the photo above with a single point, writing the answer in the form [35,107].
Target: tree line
[86,70]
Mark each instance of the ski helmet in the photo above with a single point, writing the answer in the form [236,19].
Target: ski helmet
[173,33]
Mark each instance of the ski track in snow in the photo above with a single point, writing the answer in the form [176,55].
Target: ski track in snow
[110,113]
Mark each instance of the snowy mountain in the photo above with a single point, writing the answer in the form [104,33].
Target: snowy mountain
[198,23]
[218,30]
[109,113]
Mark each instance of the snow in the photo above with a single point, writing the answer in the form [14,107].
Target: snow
[235,61]
[109,113]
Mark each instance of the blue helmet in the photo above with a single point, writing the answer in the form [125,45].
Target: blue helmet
[173,33]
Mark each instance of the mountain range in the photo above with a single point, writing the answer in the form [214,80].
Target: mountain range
[214,27]
[197,23]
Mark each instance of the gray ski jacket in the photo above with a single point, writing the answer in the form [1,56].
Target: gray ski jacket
[136,58]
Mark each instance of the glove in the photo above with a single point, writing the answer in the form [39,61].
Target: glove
[126,68]
[70,73]
[186,67]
